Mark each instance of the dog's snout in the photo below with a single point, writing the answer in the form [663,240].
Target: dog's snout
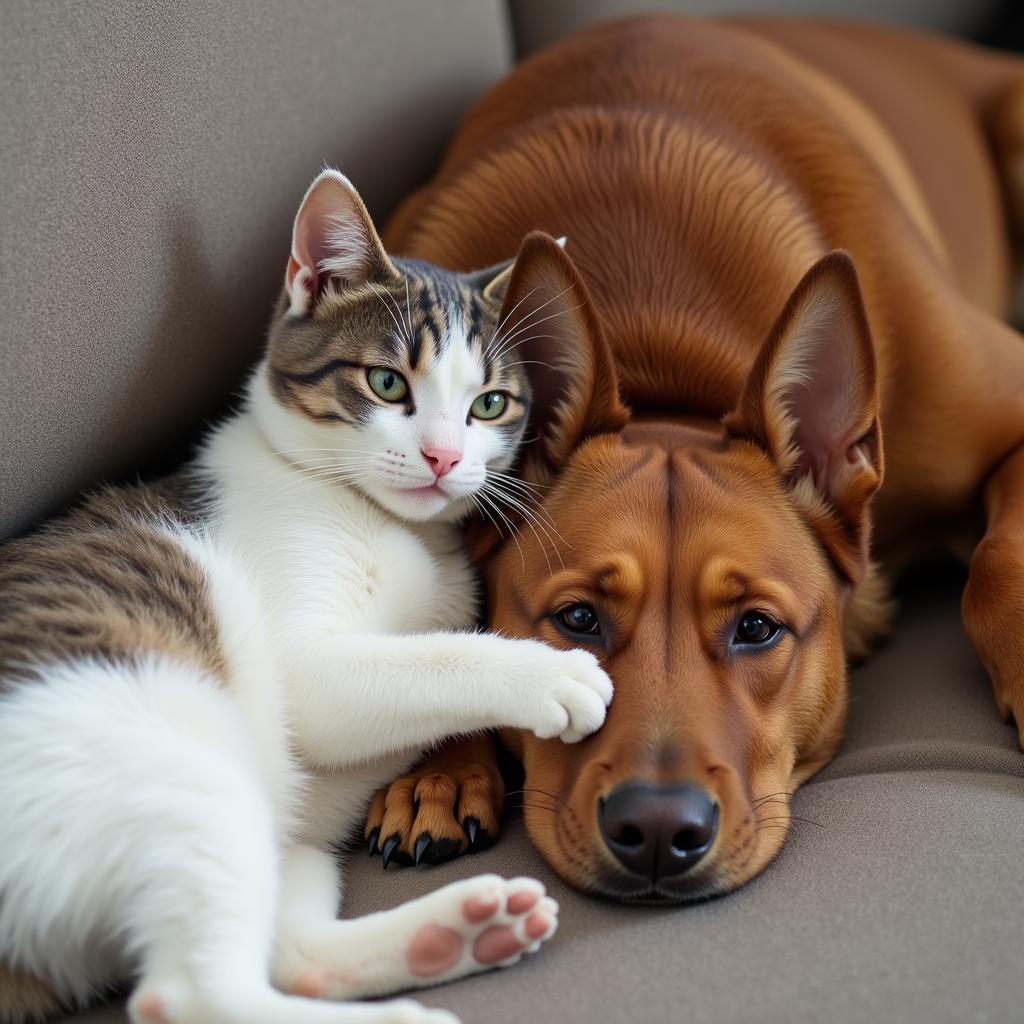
[658,831]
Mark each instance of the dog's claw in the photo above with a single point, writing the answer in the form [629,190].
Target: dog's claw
[390,845]
[371,842]
[422,847]
[472,827]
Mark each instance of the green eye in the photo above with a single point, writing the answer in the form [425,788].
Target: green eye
[489,406]
[387,384]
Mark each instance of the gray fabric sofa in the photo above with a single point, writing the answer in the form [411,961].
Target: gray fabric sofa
[152,157]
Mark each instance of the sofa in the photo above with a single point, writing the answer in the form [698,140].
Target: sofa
[153,155]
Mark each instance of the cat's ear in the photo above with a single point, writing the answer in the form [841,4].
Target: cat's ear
[549,322]
[493,282]
[811,402]
[334,244]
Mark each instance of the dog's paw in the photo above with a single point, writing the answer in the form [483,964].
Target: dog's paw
[571,694]
[477,924]
[449,806]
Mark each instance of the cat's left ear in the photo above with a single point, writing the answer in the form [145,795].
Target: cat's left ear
[334,244]
[493,282]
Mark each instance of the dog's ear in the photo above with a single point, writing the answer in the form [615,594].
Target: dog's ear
[548,320]
[334,244]
[811,402]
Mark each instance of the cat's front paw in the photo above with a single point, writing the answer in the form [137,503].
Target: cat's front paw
[572,693]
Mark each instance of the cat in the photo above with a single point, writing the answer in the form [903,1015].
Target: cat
[203,680]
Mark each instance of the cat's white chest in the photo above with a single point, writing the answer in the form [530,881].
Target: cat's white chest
[406,580]
[326,557]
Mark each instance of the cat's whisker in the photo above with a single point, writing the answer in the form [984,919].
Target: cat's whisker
[292,451]
[528,505]
[524,323]
[519,484]
[530,326]
[408,310]
[475,499]
[526,483]
[532,521]
[524,319]
[530,362]
[509,349]
[324,475]
[481,494]
[377,291]
[501,323]
[521,491]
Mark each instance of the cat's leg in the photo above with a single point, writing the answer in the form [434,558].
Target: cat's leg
[461,929]
[136,830]
[354,698]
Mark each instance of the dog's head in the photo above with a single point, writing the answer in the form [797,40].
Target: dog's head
[709,566]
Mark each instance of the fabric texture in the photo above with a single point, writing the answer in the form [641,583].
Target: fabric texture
[154,155]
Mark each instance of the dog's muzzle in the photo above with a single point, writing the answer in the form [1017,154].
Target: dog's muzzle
[656,831]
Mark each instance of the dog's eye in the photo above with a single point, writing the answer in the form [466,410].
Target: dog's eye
[756,628]
[581,619]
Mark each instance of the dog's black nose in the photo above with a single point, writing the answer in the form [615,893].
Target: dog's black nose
[658,831]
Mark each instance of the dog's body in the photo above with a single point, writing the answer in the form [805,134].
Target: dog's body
[699,169]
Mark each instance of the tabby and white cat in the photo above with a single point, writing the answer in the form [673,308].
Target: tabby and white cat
[202,681]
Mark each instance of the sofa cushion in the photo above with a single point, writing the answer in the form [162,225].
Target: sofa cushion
[153,158]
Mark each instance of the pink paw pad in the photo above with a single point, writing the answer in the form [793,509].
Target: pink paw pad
[538,924]
[312,984]
[434,950]
[151,1007]
[521,902]
[477,910]
[497,943]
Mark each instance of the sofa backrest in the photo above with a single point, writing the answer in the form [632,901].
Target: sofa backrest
[152,157]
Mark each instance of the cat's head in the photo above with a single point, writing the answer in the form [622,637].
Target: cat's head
[409,382]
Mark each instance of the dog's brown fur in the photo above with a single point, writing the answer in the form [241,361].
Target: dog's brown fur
[703,172]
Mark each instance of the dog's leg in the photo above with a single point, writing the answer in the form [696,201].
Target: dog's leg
[1004,122]
[448,805]
[993,604]
[464,928]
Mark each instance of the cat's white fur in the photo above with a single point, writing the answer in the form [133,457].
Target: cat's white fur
[167,826]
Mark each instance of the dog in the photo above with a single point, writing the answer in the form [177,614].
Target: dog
[781,370]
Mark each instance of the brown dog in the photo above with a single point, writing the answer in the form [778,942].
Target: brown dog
[714,548]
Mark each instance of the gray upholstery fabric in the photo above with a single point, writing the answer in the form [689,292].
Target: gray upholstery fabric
[153,156]
[538,23]
[903,902]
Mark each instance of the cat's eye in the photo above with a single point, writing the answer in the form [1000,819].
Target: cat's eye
[387,384]
[580,619]
[490,405]
[756,629]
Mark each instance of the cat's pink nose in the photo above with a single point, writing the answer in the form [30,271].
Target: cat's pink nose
[441,460]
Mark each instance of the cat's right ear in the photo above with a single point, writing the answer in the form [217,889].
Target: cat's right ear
[334,244]
[493,281]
